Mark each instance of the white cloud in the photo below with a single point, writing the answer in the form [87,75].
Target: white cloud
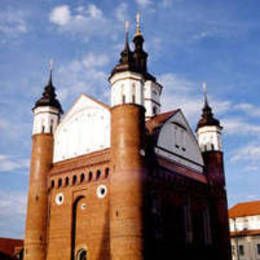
[248,156]
[238,126]
[121,12]
[13,211]
[12,23]
[249,109]
[60,15]
[144,3]
[84,75]
[182,93]
[94,11]
[92,60]
[8,163]
[87,21]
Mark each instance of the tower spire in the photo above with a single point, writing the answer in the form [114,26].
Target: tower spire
[204,87]
[207,117]
[49,95]
[138,27]
[50,71]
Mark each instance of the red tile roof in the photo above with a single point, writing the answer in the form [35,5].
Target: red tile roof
[158,120]
[250,208]
[8,245]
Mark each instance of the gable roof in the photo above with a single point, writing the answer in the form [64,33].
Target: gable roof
[250,208]
[158,120]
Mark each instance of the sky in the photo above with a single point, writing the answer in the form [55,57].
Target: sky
[189,42]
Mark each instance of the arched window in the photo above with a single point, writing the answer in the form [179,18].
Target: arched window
[43,128]
[90,175]
[67,180]
[59,183]
[74,179]
[106,172]
[82,254]
[98,174]
[82,177]
[52,184]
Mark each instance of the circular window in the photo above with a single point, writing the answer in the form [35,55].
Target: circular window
[83,206]
[101,191]
[59,198]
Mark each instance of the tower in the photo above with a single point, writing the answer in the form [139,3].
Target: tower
[47,111]
[127,159]
[152,89]
[209,138]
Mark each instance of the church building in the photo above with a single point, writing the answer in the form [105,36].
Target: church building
[125,181]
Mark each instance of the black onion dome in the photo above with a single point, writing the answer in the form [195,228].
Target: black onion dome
[49,97]
[207,117]
[139,55]
[126,62]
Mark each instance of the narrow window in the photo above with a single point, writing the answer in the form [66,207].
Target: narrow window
[106,172]
[123,99]
[133,93]
[241,250]
[52,184]
[258,249]
[90,176]
[59,183]
[154,110]
[82,177]
[43,129]
[98,174]
[74,179]
[51,126]
[66,181]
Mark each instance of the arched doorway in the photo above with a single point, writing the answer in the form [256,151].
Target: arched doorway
[82,254]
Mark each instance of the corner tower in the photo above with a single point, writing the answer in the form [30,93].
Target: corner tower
[47,111]
[127,159]
[209,138]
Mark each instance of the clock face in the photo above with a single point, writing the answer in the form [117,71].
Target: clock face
[85,130]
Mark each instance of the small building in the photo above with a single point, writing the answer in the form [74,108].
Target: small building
[244,221]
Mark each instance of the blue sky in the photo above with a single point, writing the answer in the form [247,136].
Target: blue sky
[188,41]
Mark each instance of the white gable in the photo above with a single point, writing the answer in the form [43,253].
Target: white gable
[177,142]
[85,128]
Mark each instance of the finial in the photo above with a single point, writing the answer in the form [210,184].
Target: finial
[204,86]
[126,26]
[50,71]
[138,27]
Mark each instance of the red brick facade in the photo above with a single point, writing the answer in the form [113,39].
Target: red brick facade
[125,202]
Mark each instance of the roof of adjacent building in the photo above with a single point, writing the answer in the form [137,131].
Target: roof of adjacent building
[243,233]
[8,246]
[251,208]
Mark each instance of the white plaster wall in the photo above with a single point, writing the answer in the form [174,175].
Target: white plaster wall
[250,247]
[152,95]
[208,136]
[242,223]
[45,120]
[127,84]
[84,129]
[177,142]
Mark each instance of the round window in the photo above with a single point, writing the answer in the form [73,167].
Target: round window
[59,198]
[101,191]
